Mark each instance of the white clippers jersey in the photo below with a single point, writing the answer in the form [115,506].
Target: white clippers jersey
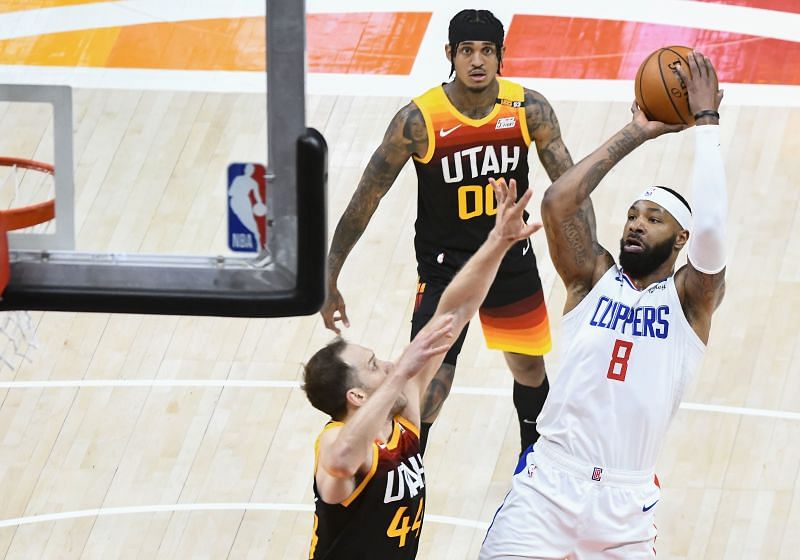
[626,359]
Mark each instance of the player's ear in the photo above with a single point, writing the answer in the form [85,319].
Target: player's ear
[448,52]
[681,239]
[356,396]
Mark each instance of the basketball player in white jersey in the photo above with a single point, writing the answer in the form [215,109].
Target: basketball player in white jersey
[632,336]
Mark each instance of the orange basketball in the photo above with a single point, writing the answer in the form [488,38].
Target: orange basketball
[659,91]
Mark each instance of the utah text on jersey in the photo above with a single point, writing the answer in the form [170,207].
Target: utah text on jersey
[405,478]
[490,163]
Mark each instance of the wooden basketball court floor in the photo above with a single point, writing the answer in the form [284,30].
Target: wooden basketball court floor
[132,436]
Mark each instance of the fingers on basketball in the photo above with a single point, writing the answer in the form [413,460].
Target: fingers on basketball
[665,81]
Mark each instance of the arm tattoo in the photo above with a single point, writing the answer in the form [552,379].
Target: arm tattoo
[578,236]
[574,248]
[625,145]
[538,112]
[555,158]
[405,135]
[617,150]
[436,393]
[544,129]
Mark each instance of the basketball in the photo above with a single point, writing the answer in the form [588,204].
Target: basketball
[659,90]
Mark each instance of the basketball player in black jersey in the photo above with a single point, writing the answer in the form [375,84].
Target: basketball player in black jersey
[459,134]
[369,481]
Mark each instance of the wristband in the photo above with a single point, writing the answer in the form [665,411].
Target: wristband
[706,113]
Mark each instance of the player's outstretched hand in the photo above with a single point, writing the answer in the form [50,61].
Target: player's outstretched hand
[333,310]
[436,338]
[509,225]
[701,83]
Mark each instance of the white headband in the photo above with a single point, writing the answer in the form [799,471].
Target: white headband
[670,203]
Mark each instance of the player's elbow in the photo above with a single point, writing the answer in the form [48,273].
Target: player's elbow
[340,463]
[549,201]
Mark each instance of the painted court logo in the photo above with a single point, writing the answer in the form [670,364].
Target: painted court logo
[247,207]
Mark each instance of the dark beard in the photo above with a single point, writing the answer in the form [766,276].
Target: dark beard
[638,265]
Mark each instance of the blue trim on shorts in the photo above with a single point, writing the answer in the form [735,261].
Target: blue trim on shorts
[522,463]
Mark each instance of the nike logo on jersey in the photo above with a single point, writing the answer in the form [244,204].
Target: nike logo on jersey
[526,421]
[648,508]
[443,132]
[527,247]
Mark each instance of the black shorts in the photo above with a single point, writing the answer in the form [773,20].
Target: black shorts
[513,315]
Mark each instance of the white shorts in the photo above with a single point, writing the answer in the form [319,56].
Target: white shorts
[559,508]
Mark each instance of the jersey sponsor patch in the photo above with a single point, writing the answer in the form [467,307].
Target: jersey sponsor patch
[505,122]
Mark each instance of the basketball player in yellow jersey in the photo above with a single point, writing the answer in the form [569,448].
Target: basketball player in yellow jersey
[369,479]
[460,134]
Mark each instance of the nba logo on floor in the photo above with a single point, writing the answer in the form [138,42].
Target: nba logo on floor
[247,207]
[596,474]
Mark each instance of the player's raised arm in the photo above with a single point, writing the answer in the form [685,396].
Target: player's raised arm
[545,132]
[405,135]
[571,234]
[701,283]
[346,450]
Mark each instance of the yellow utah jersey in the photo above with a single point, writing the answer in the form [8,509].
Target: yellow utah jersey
[456,205]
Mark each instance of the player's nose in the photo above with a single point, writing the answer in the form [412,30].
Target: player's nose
[637,225]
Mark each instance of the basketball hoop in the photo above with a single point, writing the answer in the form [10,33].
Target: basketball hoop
[17,326]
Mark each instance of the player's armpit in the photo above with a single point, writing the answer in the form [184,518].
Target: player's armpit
[700,295]
[336,483]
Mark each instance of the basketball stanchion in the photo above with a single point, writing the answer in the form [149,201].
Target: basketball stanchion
[17,326]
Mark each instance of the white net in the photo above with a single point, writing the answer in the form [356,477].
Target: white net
[23,183]
[17,338]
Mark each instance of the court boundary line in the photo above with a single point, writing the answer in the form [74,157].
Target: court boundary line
[210,506]
[291,384]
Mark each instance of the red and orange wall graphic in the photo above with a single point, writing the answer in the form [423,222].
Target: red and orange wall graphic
[389,42]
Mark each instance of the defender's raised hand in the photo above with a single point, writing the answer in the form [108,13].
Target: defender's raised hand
[509,225]
[435,339]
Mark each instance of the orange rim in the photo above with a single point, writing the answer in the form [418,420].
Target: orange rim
[24,216]
[27,164]
[27,216]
